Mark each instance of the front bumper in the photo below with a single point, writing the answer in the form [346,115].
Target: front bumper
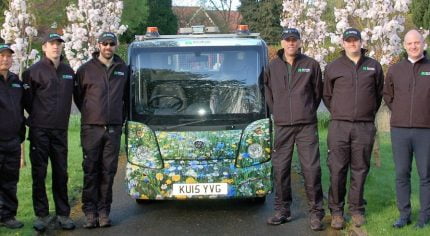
[248,182]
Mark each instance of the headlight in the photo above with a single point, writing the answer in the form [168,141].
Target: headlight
[255,150]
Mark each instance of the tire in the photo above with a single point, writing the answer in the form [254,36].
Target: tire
[259,200]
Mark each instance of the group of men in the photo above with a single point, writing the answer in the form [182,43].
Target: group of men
[99,89]
[352,90]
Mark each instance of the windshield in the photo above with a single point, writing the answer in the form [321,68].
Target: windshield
[181,85]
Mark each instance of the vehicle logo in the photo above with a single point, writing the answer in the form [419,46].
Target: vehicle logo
[199,144]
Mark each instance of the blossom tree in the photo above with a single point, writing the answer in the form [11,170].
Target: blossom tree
[306,17]
[18,30]
[381,23]
[87,20]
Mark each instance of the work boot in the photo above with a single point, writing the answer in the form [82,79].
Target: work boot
[315,223]
[91,221]
[42,222]
[279,218]
[104,220]
[12,223]
[337,222]
[358,220]
[402,222]
[65,222]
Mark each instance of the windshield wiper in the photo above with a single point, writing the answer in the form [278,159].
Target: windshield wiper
[186,123]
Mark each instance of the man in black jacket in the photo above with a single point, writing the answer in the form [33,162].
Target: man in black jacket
[406,93]
[293,90]
[101,95]
[48,97]
[12,130]
[352,93]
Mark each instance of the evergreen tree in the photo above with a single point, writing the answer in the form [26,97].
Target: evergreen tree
[420,10]
[263,16]
[139,14]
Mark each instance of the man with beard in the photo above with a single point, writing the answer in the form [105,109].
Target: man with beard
[48,97]
[12,130]
[101,95]
[406,93]
[293,90]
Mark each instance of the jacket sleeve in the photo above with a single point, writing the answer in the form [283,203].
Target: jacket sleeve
[379,86]
[268,90]
[77,89]
[388,91]
[29,90]
[126,95]
[328,89]
[318,86]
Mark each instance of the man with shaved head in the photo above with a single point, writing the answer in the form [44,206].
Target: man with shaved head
[406,92]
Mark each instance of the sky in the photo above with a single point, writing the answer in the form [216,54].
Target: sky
[236,3]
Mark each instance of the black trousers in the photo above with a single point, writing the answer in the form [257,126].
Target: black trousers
[405,143]
[101,146]
[350,147]
[49,144]
[10,158]
[306,139]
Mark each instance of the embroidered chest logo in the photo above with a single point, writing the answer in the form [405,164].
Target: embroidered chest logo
[67,76]
[120,73]
[425,73]
[303,70]
[366,68]
[15,86]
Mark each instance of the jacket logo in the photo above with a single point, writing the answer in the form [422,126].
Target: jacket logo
[425,73]
[67,76]
[120,73]
[26,86]
[366,68]
[15,86]
[302,70]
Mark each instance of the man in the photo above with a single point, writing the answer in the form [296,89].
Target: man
[293,90]
[101,94]
[353,86]
[406,93]
[12,130]
[48,96]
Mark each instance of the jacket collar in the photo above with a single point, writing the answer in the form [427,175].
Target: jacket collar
[47,61]
[423,59]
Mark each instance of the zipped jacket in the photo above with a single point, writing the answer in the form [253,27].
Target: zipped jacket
[407,93]
[293,99]
[48,94]
[353,92]
[11,108]
[101,93]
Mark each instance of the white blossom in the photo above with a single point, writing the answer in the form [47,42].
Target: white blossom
[306,17]
[87,20]
[18,30]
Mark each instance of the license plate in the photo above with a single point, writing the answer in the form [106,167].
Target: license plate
[200,189]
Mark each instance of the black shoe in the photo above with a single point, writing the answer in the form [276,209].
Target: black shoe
[402,222]
[12,223]
[42,223]
[65,222]
[279,218]
[421,223]
[91,222]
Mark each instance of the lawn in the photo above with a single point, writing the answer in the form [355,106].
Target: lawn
[25,206]
[381,210]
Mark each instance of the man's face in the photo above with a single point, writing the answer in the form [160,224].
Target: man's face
[351,45]
[5,60]
[414,45]
[53,49]
[107,49]
[291,46]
